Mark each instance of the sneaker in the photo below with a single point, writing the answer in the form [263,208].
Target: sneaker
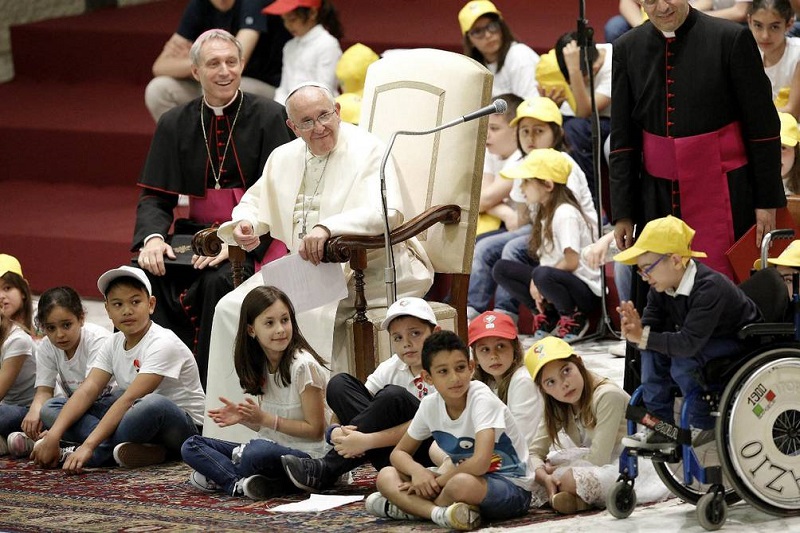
[619,349]
[306,474]
[377,505]
[3,446]
[202,483]
[135,455]
[572,327]
[648,440]
[566,503]
[236,454]
[699,437]
[255,487]
[462,517]
[19,444]
[543,325]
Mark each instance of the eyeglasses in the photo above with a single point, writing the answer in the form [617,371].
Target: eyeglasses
[324,119]
[478,33]
[645,274]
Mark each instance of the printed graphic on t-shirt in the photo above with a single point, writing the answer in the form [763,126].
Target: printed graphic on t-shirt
[504,459]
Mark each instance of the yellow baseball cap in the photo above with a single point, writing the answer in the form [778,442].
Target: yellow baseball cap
[351,69]
[546,350]
[474,10]
[9,263]
[668,235]
[349,107]
[542,164]
[548,75]
[790,257]
[541,108]
[790,134]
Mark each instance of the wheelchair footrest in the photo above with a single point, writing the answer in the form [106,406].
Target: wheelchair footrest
[639,414]
[713,475]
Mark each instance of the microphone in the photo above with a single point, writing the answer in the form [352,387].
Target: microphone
[499,106]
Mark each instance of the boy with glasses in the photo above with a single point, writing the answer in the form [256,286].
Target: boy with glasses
[692,316]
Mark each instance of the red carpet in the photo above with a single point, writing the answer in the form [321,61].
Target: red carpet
[75,131]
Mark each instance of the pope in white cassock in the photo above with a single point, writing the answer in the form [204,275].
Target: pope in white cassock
[324,183]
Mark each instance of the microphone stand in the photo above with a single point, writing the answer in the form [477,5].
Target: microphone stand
[585,41]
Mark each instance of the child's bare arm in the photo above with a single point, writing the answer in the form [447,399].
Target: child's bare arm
[481,459]
[9,372]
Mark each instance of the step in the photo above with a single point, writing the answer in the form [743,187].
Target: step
[108,44]
[95,134]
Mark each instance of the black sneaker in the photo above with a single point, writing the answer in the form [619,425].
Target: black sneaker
[256,487]
[306,474]
[572,327]
[648,440]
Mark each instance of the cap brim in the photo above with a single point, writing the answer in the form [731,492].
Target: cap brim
[628,257]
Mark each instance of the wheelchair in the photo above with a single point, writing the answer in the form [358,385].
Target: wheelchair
[756,401]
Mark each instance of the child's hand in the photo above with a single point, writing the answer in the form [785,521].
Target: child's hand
[76,460]
[423,483]
[630,322]
[250,412]
[46,453]
[537,297]
[572,58]
[227,415]
[551,485]
[555,93]
[32,426]
[352,443]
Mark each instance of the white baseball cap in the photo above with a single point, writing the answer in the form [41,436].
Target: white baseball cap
[124,271]
[410,306]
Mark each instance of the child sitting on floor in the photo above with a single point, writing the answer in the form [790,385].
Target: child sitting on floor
[17,375]
[15,293]
[156,405]
[374,415]
[274,362]
[492,476]
[692,316]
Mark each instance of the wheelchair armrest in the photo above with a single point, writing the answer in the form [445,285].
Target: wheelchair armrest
[783,329]
[339,249]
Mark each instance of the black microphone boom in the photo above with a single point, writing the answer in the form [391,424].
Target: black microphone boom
[498,106]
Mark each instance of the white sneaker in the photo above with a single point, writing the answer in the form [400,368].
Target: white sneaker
[378,505]
[202,483]
[618,349]
[647,439]
[461,516]
[19,444]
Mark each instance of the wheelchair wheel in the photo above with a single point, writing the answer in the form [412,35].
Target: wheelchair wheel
[621,500]
[711,512]
[759,431]
[671,475]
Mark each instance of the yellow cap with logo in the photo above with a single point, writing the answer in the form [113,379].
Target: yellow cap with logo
[541,164]
[544,351]
[474,10]
[541,108]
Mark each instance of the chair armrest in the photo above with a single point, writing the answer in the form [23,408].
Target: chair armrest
[782,329]
[205,242]
[339,249]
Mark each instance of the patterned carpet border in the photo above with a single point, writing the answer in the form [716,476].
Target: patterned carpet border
[159,500]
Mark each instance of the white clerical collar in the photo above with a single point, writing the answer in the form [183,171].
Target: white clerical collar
[669,34]
[219,110]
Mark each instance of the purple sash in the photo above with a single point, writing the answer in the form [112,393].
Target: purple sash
[700,164]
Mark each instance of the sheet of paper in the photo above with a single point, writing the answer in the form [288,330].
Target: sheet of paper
[306,285]
[316,503]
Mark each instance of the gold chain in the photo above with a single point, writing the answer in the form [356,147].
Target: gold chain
[218,175]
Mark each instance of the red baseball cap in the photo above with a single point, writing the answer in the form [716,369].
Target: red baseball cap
[491,324]
[281,7]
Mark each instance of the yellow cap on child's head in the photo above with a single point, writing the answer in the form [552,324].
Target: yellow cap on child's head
[541,164]
[541,108]
[790,134]
[544,351]
[474,10]
[9,263]
[668,235]
[790,257]
[351,69]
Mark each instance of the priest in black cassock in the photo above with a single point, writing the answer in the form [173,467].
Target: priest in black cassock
[211,149]
[694,132]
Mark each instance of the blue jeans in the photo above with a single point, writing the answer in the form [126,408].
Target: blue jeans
[152,419]
[11,417]
[212,458]
[687,373]
[578,132]
[503,498]
[488,250]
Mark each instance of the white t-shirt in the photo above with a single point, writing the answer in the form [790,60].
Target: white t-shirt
[518,75]
[781,73]
[19,344]
[286,402]
[159,352]
[456,438]
[52,365]
[576,182]
[312,57]
[602,83]
[570,231]
[524,402]
[394,371]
